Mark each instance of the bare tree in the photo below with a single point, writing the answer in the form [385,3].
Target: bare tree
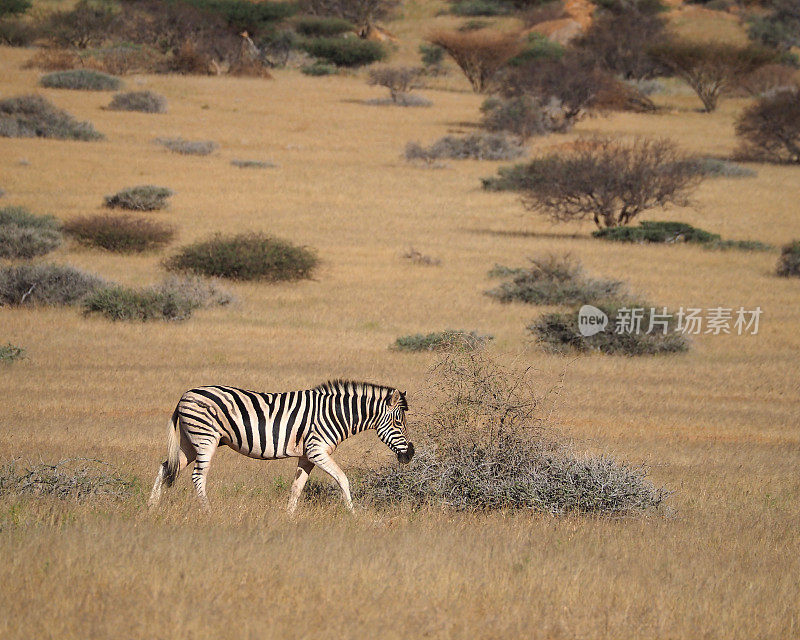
[609,181]
[479,54]
[398,80]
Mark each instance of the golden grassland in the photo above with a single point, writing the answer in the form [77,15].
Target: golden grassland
[720,425]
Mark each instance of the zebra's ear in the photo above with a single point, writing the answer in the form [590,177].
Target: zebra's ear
[395,398]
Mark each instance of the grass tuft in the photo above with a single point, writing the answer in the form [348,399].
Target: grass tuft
[253,164]
[70,479]
[11,353]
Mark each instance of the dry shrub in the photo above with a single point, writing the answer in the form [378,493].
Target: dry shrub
[247,256]
[143,101]
[53,59]
[249,68]
[32,116]
[552,279]
[768,79]
[486,446]
[479,54]
[145,197]
[190,60]
[45,284]
[789,262]
[69,479]
[769,130]
[478,146]
[174,299]
[80,79]
[609,181]
[124,59]
[24,235]
[120,233]
[253,164]
[523,116]
[416,257]
[398,80]
[189,147]
[441,341]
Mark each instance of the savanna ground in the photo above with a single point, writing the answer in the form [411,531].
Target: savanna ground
[720,424]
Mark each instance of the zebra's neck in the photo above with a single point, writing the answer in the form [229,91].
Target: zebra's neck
[346,408]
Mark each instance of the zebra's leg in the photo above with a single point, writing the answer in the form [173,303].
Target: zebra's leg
[304,467]
[329,466]
[205,451]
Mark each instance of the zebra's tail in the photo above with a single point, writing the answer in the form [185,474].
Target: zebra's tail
[173,449]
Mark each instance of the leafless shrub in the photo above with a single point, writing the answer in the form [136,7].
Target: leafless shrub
[769,130]
[69,479]
[53,59]
[523,116]
[144,101]
[486,445]
[769,79]
[398,80]
[415,257]
[713,67]
[608,180]
[120,233]
[479,54]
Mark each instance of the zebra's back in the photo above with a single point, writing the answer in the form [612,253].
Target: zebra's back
[260,425]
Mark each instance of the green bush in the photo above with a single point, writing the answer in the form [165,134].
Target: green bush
[18,32]
[247,256]
[789,262]
[560,332]
[441,341]
[45,284]
[14,7]
[321,27]
[142,198]
[345,52]
[513,178]
[319,69]
[470,8]
[487,446]
[120,233]
[174,299]
[189,147]
[10,353]
[32,116]
[82,79]
[523,116]
[143,101]
[246,15]
[538,47]
[657,232]
[717,168]
[25,235]
[552,280]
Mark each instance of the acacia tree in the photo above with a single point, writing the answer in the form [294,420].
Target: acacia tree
[609,181]
[770,129]
[480,54]
[710,68]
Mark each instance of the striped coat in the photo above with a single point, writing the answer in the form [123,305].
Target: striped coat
[307,425]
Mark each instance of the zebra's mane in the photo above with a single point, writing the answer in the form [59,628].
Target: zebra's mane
[354,388]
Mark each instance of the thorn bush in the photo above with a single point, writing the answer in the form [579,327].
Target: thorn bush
[789,262]
[478,146]
[247,256]
[441,341]
[189,147]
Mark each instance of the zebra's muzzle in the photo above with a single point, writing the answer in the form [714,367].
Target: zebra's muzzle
[405,457]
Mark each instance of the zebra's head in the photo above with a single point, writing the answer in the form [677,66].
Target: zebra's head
[392,426]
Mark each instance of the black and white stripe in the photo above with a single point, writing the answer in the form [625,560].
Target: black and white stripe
[307,424]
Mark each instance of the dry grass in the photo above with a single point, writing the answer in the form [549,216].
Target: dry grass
[720,424]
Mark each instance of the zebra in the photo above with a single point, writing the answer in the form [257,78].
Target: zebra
[307,425]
